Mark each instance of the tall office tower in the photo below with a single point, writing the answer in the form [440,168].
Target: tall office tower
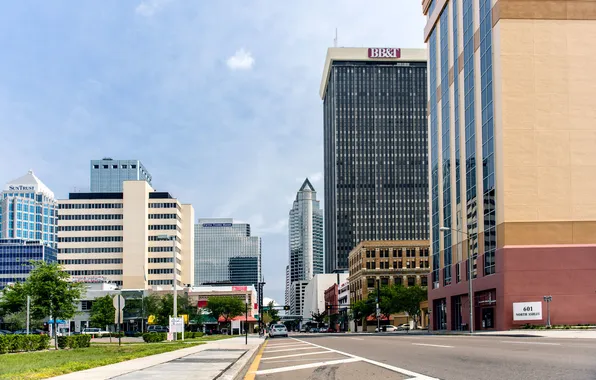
[512,162]
[305,236]
[28,210]
[127,238]
[226,253]
[375,136]
[108,175]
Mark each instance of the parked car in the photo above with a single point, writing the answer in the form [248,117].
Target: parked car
[32,332]
[314,330]
[403,327]
[303,330]
[278,330]
[94,331]
[157,328]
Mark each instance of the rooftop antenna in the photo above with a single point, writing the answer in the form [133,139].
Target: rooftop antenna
[335,39]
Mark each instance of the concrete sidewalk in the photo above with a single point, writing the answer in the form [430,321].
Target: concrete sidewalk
[222,358]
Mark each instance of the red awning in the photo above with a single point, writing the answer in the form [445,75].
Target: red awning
[373,318]
[238,318]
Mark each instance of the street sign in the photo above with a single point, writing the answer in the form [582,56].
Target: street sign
[378,312]
[118,305]
[177,324]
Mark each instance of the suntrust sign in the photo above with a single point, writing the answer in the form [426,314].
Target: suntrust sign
[20,187]
[384,53]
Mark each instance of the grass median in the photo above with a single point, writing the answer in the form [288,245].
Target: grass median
[41,365]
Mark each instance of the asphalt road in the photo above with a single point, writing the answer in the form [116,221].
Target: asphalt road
[402,356]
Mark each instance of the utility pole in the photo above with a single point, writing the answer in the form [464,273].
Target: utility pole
[378,310]
[28,312]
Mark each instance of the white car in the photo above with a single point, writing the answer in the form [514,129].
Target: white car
[278,330]
[94,331]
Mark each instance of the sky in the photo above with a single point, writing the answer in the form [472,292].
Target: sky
[218,99]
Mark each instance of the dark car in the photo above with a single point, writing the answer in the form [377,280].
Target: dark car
[5,332]
[156,328]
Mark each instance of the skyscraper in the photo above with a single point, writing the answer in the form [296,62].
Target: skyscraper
[226,253]
[28,210]
[305,239]
[16,256]
[108,175]
[375,153]
[512,162]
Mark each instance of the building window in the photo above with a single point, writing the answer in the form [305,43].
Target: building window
[86,305]
[95,166]
[424,281]
[105,166]
[411,281]
[114,166]
[370,282]
[124,166]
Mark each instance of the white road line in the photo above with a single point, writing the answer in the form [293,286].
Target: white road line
[520,342]
[305,366]
[356,338]
[431,345]
[290,349]
[291,356]
[285,345]
[415,375]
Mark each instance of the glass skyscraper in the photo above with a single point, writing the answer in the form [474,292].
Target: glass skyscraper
[375,148]
[107,175]
[15,257]
[226,254]
[29,211]
[305,240]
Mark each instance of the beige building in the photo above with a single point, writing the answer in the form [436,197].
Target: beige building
[122,237]
[512,130]
[389,262]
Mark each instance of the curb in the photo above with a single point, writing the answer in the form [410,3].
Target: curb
[238,369]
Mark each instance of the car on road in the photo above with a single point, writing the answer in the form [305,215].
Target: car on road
[94,331]
[278,330]
[389,328]
[157,328]
[403,327]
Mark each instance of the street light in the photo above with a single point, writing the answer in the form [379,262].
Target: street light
[470,290]
[175,279]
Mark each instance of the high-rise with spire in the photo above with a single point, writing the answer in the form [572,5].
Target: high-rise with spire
[305,244]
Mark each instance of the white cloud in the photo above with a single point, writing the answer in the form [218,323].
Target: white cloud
[242,60]
[148,8]
[316,177]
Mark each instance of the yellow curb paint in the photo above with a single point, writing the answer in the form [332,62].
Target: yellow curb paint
[250,375]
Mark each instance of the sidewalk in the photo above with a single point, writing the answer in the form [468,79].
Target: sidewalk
[565,334]
[222,358]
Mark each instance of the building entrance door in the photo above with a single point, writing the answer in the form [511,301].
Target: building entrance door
[488,318]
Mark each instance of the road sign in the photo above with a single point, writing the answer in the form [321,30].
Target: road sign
[118,305]
[378,312]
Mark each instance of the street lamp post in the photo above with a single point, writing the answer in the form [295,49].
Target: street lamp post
[246,320]
[470,289]
[174,278]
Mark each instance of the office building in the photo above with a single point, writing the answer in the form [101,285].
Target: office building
[512,161]
[28,210]
[405,262]
[314,292]
[108,175]
[226,253]
[305,236]
[375,148]
[296,297]
[16,255]
[127,238]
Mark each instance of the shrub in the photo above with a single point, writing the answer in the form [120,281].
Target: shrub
[154,337]
[74,341]
[17,343]
[62,342]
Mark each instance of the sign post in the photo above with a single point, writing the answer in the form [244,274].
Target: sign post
[548,300]
[118,302]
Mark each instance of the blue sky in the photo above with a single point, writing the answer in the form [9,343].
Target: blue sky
[218,99]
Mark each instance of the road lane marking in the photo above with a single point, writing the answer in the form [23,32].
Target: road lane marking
[431,345]
[356,338]
[287,361]
[276,346]
[290,349]
[293,355]
[521,342]
[415,375]
[305,366]
[250,374]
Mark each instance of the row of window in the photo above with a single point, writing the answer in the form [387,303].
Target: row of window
[164,216]
[397,253]
[98,272]
[89,205]
[163,205]
[162,260]
[160,249]
[91,250]
[89,261]
[114,166]
[396,265]
[153,227]
[91,217]
[90,228]
[89,239]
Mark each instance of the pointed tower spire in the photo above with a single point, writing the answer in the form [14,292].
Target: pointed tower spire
[307,186]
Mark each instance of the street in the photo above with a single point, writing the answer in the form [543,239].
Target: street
[403,356]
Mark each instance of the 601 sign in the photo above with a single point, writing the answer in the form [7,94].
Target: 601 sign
[528,308]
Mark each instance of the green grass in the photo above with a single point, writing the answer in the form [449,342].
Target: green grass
[41,365]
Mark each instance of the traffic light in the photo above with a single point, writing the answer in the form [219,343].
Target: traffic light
[286,307]
[329,307]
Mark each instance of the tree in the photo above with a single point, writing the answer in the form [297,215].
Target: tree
[13,300]
[318,317]
[103,312]
[52,293]
[273,313]
[361,310]
[226,307]
[412,297]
